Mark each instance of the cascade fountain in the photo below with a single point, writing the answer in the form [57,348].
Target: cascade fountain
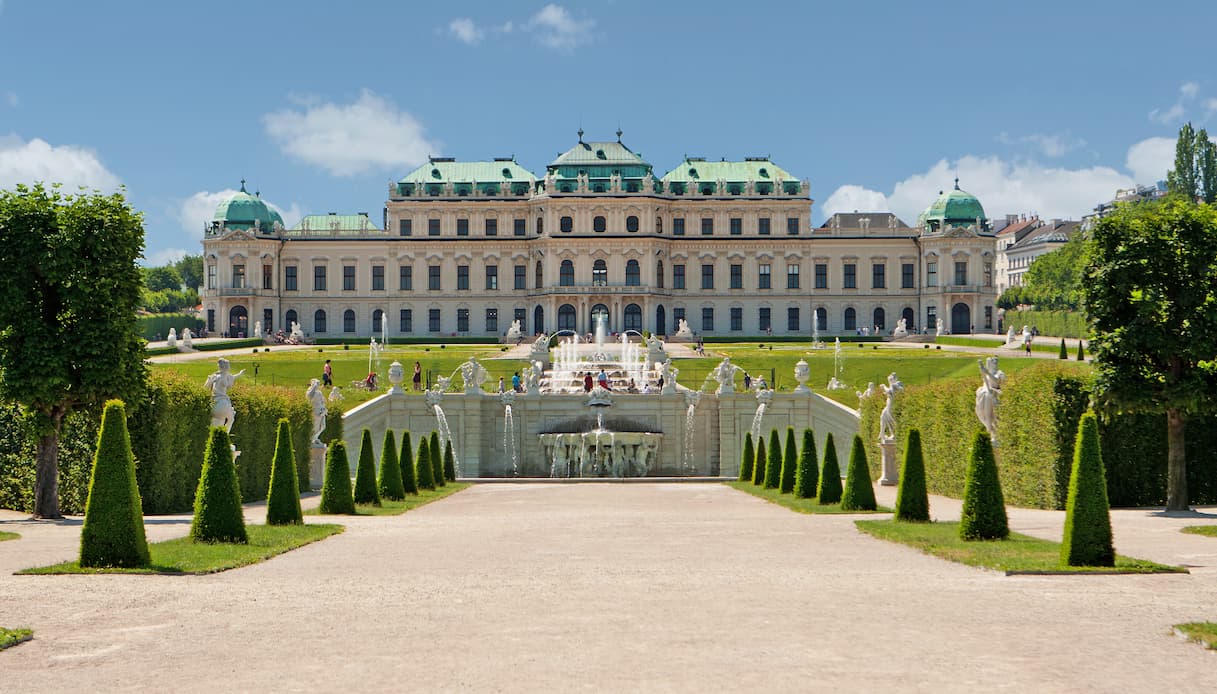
[763,398]
[432,398]
[692,397]
[835,383]
[508,398]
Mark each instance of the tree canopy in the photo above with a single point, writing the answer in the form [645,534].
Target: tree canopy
[1195,172]
[1053,281]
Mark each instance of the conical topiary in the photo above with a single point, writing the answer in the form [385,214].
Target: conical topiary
[449,462]
[1087,540]
[859,495]
[762,460]
[336,496]
[409,480]
[113,531]
[218,516]
[830,477]
[790,461]
[283,499]
[746,459]
[1064,352]
[425,471]
[808,475]
[773,468]
[984,509]
[365,472]
[1081,352]
[912,502]
[437,460]
[389,485]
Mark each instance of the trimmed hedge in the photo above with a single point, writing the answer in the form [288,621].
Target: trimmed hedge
[983,516]
[113,531]
[409,480]
[746,459]
[218,516]
[912,502]
[449,462]
[830,477]
[365,472]
[1055,323]
[424,468]
[336,494]
[859,495]
[389,484]
[283,499]
[151,325]
[773,466]
[762,460]
[790,461]
[1087,540]
[808,475]
[437,460]
[1064,352]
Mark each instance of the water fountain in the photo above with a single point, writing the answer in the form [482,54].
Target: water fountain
[692,397]
[432,399]
[508,398]
[835,383]
[763,398]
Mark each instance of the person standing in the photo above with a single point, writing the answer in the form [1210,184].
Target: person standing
[418,376]
[747,382]
[587,381]
[515,381]
[327,373]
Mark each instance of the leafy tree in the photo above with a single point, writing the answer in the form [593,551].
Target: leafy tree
[790,461]
[437,460]
[773,468]
[1053,281]
[1195,172]
[449,462]
[390,485]
[69,289]
[1150,296]
[283,499]
[762,459]
[859,495]
[1087,540]
[746,459]
[113,531]
[218,516]
[162,278]
[912,501]
[425,470]
[190,269]
[365,472]
[336,494]
[830,477]
[808,475]
[984,509]
[409,480]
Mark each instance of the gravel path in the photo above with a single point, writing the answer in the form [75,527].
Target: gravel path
[657,587]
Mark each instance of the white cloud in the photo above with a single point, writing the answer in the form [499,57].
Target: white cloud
[197,210]
[35,160]
[1210,105]
[1166,116]
[1150,159]
[557,29]
[1188,90]
[165,256]
[465,30]
[1048,145]
[851,198]
[347,139]
[12,99]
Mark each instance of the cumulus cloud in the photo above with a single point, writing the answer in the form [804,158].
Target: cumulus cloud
[23,161]
[165,256]
[347,139]
[1048,145]
[1175,112]
[1150,159]
[557,29]
[197,210]
[1188,90]
[851,198]
[465,30]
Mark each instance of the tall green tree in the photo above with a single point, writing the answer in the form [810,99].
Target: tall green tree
[409,480]
[1195,172]
[390,484]
[437,460]
[762,459]
[161,278]
[773,467]
[808,475]
[1151,295]
[69,288]
[190,269]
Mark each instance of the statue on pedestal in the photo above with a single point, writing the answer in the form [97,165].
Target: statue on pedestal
[222,413]
[887,419]
[988,394]
[724,373]
[316,400]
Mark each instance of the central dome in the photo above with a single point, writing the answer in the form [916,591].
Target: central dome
[953,208]
[244,210]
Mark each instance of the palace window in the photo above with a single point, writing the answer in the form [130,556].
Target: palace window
[851,319]
[792,319]
[599,274]
[678,314]
[678,226]
[678,276]
[631,223]
[521,314]
[462,277]
[737,276]
[707,277]
[433,320]
[765,319]
[319,321]
[659,280]
[211,276]
[707,319]
[378,318]
[348,321]
[763,276]
[821,275]
[432,227]
[538,275]
[851,276]
[462,320]
[792,226]
[492,277]
[880,317]
[519,227]
[633,274]
[405,227]
[988,273]
[238,276]
[566,274]
[433,281]
[931,274]
[289,278]
[319,278]
[378,278]
[792,276]
[519,277]
[348,278]
[988,318]
[633,317]
[762,226]
[878,276]
[737,319]
[566,225]
[268,275]
[492,227]
[961,272]
[598,223]
[737,226]
[822,319]
[492,320]
[906,275]
[405,278]
[462,227]
[707,226]
[405,320]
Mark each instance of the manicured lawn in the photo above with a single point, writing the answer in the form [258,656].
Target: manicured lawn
[1071,344]
[1200,632]
[1019,554]
[395,508]
[8,536]
[794,504]
[12,637]
[1209,530]
[182,556]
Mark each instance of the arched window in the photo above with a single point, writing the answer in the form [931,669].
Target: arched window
[238,321]
[910,319]
[566,317]
[633,317]
[599,274]
[659,278]
[658,224]
[378,321]
[288,318]
[319,321]
[540,226]
[851,319]
[538,319]
[880,319]
[822,319]
[599,223]
[661,319]
[566,225]
[632,273]
[348,321]
[566,274]
[631,223]
[537,279]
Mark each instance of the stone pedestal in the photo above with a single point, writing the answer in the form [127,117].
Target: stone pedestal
[891,472]
[316,466]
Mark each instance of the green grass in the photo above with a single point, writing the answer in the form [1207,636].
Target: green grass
[1200,632]
[1019,554]
[395,508]
[8,536]
[12,637]
[183,556]
[1071,344]
[1209,530]
[793,503]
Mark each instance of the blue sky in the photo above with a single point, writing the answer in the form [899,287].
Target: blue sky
[1041,107]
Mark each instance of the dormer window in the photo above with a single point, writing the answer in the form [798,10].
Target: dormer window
[600,154]
[436,174]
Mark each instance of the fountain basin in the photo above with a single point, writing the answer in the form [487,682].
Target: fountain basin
[600,453]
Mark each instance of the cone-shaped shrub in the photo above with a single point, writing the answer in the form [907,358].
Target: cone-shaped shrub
[449,462]
[912,502]
[830,477]
[389,485]
[1064,352]
[859,495]
[113,532]
[1087,539]
[1081,352]
[808,475]
[437,460]
[762,460]
[746,459]
[409,480]
[217,502]
[773,469]
[365,472]
[790,461]
[336,496]
[283,499]
[984,509]
[426,479]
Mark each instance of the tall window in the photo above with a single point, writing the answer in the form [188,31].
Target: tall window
[492,277]
[462,320]
[566,274]
[931,317]
[462,227]
[519,278]
[792,226]
[433,320]
[851,276]
[851,319]
[659,281]
[737,276]
[348,278]
[211,276]
[405,227]
[762,226]
[319,278]
[678,226]
[432,227]
[633,274]
[707,276]
[737,319]
[378,278]
[289,278]
[792,319]
[599,274]
[405,278]
[599,223]
[238,276]
[822,319]
[633,317]
[519,227]
[462,277]
[631,224]
[988,273]
[792,276]
[433,281]
[678,314]
[906,275]
[678,276]
[765,321]
[288,318]
[566,225]
[931,274]
[707,226]
[538,275]
[492,320]
[566,317]
[405,320]
[988,318]
[880,317]
[707,319]
[268,275]
[540,225]
[961,272]
[348,321]
[378,317]
[319,321]
[658,224]
[878,276]
[492,227]
[521,314]
[763,276]
[737,226]
[821,275]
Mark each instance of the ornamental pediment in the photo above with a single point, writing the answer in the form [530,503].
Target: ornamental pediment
[237,235]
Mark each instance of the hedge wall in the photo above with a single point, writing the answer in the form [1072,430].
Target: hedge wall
[159,324]
[77,442]
[1037,423]
[1054,323]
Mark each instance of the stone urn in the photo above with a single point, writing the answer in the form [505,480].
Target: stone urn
[801,373]
[397,373]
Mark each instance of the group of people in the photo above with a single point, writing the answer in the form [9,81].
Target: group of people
[759,382]
[517,385]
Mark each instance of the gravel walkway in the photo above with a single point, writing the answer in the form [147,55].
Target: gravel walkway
[656,587]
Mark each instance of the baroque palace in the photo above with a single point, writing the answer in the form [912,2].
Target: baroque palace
[467,248]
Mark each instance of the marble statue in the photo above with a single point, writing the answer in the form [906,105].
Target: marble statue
[397,374]
[335,394]
[668,373]
[938,328]
[987,395]
[724,373]
[540,347]
[513,333]
[864,394]
[887,419]
[222,413]
[297,333]
[187,338]
[1010,335]
[682,329]
[257,328]
[531,376]
[172,338]
[902,329]
[474,375]
[1027,336]
[316,399]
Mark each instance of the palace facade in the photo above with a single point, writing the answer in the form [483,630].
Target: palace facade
[466,248]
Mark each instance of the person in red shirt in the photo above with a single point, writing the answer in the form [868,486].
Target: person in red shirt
[587,382]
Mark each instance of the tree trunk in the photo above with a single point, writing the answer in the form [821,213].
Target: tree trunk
[46,473]
[1176,463]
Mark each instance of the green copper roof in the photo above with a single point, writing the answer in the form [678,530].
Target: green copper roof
[243,209]
[757,169]
[598,154]
[444,170]
[954,207]
[335,222]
